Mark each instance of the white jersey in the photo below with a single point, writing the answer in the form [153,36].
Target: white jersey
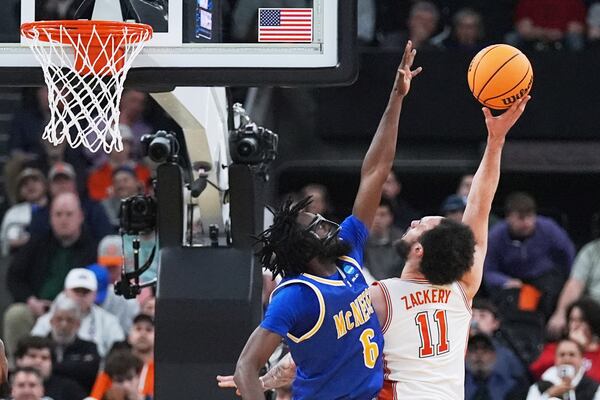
[425,334]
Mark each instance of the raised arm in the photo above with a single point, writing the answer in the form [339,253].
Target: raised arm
[379,159]
[485,183]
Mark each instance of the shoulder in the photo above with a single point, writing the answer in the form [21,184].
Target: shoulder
[353,223]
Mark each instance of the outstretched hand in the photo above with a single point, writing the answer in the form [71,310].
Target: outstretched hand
[405,74]
[226,381]
[499,126]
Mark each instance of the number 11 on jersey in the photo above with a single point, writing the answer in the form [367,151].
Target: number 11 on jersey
[428,349]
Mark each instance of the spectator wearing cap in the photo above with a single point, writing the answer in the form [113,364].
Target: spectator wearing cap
[141,344]
[75,358]
[528,249]
[32,193]
[108,271]
[381,258]
[38,270]
[485,378]
[453,207]
[125,183]
[100,181]
[62,179]
[97,325]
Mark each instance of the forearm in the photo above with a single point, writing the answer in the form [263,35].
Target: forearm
[248,383]
[485,181]
[571,292]
[282,374]
[381,153]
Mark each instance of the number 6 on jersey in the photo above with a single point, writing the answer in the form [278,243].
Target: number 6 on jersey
[370,349]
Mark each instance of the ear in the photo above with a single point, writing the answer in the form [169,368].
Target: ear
[417,249]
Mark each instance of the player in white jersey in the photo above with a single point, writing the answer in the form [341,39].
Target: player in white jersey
[425,314]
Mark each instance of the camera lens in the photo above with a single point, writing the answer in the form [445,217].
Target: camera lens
[247,147]
[140,206]
[159,150]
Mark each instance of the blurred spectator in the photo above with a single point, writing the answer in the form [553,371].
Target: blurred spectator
[125,184]
[320,200]
[404,214]
[366,22]
[584,280]
[381,258]
[37,272]
[464,187]
[100,181]
[28,125]
[487,321]
[485,377]
[528,252]
[593,24]
[148,306]
[566,379]
[584,328]
[141,340]
[31,194]
[467,31]
[453,207]
[3,364]
[38,352]
[124,370]
[27,384]
[422,25]
[549,24]
[62,179]
[108,271]
[97,325]
[132,107]
[75,358]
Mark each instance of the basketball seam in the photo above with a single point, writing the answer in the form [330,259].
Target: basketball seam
[511,89]
[494,74]
[477,66]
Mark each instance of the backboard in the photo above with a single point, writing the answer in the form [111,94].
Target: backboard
[205,42]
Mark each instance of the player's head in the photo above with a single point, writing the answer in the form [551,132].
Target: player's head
[296,237]
[443,249]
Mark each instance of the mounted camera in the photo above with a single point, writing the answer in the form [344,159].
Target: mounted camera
[138,215]
[160,147]
[252,144]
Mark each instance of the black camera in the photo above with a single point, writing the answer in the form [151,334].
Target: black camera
[252,144]
[161,146]
[138,215]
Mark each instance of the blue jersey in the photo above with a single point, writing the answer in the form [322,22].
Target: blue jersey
[331,327]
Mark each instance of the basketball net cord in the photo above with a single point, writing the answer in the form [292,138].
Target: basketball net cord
[83,94]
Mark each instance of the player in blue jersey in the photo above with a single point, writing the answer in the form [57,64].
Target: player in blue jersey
[322,308]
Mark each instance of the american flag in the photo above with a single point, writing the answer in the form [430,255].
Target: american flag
[285,24]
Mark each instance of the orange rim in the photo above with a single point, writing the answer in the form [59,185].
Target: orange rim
[49,31]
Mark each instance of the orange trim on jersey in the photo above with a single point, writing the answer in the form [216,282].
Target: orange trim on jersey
[388,307]
[351,261]
[386,370]
[388,391]
[465,297]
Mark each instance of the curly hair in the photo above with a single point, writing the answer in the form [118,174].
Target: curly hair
[448,251]
[286,246]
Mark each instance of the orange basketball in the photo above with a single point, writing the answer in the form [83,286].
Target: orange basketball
[499,75]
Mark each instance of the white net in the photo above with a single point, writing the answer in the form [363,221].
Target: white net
[85,70]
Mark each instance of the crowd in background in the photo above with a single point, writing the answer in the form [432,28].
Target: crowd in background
[68,336]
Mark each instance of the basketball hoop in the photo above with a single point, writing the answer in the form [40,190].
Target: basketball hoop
[85,64]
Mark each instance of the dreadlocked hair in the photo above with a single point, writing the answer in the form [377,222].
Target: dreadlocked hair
[286,247]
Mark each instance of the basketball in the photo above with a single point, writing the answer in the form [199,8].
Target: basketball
[499,75]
